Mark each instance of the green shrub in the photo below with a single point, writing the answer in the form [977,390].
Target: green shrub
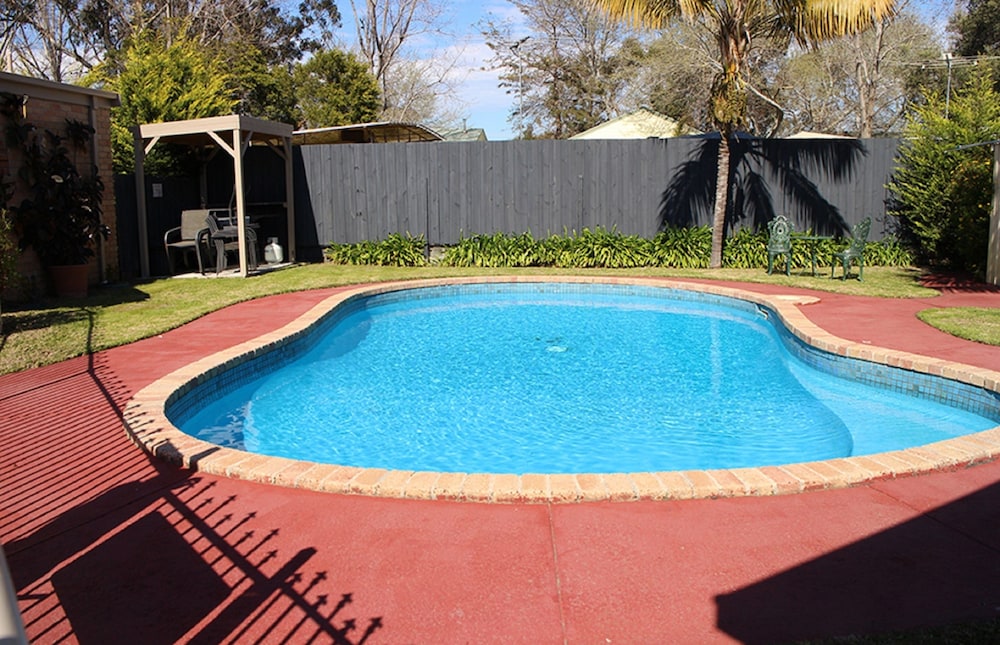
[676,248]
[941,191]
[601,248]
[496,250]
[682,248]
[889,252]
[396,250]
[746,249]
[555,251]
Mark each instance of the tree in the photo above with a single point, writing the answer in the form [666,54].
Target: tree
[674,74]
[422,93]
[46,39]
[259,89]
[737,26]
[977,29]
[567,65]
[65,39]
[334,88]
[13,13]
[943,186]
[386,31]
[859,85]
[162,82]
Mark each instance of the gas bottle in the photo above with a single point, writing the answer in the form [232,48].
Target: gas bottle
[273,252]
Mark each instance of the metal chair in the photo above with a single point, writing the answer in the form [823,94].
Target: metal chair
[779,242]
[225,236]
[855,251]
[191,235]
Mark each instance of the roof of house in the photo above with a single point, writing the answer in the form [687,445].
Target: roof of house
[50,90]
[806,134]
[641,124]
[465,134]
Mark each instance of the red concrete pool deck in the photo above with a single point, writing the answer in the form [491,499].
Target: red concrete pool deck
[107,545]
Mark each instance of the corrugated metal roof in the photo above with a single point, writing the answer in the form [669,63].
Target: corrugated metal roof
[382,132]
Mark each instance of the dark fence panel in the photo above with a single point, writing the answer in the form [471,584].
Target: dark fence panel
[445,190]
[163,212]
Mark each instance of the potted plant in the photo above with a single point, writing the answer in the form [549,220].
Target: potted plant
[60,213]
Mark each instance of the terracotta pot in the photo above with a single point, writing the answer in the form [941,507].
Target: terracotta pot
[69,281]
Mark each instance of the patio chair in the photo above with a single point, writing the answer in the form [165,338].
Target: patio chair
[779,242]
[224,235]
[855,251]
[191,235]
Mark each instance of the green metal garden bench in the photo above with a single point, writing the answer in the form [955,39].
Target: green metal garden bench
[779,242]
[855,251]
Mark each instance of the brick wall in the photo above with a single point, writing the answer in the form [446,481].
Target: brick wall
[48,106]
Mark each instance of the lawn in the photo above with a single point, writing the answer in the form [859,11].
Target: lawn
[970,323]
[49,331]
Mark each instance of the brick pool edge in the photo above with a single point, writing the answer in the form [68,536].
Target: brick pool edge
[146,422]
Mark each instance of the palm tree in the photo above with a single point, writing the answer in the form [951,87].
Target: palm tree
[736,26]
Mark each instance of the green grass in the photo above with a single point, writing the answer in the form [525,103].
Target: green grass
[970,323]
[54,330]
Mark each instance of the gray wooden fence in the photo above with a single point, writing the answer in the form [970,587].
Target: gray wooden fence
[445,190]
[355,192]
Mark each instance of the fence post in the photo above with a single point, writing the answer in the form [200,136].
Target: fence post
[993,252]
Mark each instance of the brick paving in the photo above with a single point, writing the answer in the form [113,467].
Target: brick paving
[107,545]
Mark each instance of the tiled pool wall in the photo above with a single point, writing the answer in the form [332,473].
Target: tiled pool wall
[239,371]
[242,370]
[916,384]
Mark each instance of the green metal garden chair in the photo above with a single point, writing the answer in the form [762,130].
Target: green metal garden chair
[779,242]
[855,251]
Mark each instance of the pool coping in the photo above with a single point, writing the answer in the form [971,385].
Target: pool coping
[146,423]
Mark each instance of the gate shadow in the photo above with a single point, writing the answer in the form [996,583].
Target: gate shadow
[172,564]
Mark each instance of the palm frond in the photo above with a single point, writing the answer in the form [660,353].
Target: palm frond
[692,189]
[834,158]
[654,14]
[754,200]
[824,19]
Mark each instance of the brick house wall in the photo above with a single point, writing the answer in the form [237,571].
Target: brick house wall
[48,105]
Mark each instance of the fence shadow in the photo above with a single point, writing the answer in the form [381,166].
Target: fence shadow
[114,546]
[940,568]
[181,566]
[793,165]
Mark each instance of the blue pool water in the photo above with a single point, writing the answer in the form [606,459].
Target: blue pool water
[535,378]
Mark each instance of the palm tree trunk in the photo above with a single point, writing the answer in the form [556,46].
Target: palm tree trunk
[721,202]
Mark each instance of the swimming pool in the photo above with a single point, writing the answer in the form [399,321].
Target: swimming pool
[555,378]
[228,371]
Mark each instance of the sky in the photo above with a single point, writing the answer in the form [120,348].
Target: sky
[482,102]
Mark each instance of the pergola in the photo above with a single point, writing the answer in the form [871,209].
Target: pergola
[234,134]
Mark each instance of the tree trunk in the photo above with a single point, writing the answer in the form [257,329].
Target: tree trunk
[721,203]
